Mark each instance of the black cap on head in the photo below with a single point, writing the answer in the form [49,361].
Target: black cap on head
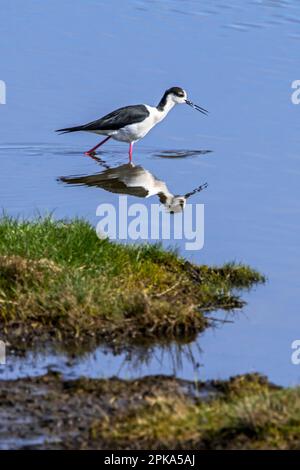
[176,90]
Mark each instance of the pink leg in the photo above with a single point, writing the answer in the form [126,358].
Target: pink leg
[92,151]
[130,152]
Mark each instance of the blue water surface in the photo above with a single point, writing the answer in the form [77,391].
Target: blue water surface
[68,62]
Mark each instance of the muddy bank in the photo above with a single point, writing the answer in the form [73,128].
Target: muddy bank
[156,412]
[49,412]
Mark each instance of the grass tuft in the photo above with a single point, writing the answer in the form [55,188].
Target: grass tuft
[58,278]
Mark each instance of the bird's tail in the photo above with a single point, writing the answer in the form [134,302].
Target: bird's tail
[69,129]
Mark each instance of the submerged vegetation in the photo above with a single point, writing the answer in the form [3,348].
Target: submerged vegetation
[58,278]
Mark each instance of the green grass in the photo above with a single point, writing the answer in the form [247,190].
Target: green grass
[58,277]
[249,413]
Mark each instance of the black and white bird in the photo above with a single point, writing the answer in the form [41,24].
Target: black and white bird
[134,181]
[132,123]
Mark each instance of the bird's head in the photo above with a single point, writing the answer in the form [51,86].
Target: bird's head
[175,204]
[178,95]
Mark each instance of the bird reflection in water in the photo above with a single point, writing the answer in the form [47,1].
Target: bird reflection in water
[133,180]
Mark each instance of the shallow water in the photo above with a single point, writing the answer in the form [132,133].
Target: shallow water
[238,61]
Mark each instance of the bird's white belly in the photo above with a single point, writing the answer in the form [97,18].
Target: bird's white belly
[134,132]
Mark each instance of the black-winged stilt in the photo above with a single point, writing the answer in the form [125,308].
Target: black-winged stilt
[132,123]
[135,181]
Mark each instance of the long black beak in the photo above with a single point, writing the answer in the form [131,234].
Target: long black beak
[197,190]
[195,106]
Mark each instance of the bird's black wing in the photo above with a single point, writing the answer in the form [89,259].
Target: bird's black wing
[115,120]
[107,180]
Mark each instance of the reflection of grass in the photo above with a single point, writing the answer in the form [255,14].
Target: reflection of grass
[59,277]
[249,413]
